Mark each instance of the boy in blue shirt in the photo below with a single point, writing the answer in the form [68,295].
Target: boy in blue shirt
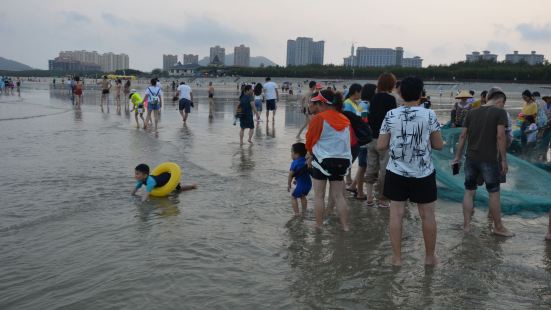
[299,172]
[151,181]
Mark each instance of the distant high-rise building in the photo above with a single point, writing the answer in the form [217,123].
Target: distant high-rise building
[531,59]
[190,59]
[381,57]
[415,62]
[304,51]
[291,52]
[241,56]
[217,55]
[375,57]
[399,56]
[107,61]
[485,56]
[169,61]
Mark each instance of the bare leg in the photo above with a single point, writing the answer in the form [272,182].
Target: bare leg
[468,207]
[495,210]
[306,122]
[336,190]
[241,134]
[395,230]
[147,119]
[184,188]
[137,122]
[251,136]
[182,114]
[426,211]
[369,192]
[294,204]
[360,182]
[304,204]
[273,115]
[156,114]
[319,201]
[267,115]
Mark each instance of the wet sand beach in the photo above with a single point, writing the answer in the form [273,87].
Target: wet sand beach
[72,237]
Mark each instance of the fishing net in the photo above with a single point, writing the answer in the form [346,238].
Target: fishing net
[527,188]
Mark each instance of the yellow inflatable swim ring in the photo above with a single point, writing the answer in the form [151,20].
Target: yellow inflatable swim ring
[175,174]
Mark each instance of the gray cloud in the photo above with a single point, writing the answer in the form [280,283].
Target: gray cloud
[74,17]
[113,20]
[204,31]
[532,32]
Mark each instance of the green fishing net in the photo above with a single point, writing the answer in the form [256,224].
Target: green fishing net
[528,187]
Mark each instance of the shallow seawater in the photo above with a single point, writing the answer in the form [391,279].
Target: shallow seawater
[72,237]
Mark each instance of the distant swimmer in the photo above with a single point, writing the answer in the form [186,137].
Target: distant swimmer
[152,182]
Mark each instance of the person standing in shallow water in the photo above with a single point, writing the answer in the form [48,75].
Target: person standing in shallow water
[484,134]
[126,92]
[410,132]
[211,100]
[305,102]
[381,103]
[329,157]
[246,117]
[105,87]
[153,95]
[272,97]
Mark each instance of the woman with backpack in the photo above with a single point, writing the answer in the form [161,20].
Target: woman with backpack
[329,155]
[153,95]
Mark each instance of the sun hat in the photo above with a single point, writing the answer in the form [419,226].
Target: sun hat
[464,94]
[319,97]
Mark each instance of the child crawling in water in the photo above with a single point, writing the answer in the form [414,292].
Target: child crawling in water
[152,181]
[301,176]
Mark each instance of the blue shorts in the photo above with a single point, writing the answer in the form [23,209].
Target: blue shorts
[258,105]
[301,190]
[489,171]
[362,157]
[153,107]
[184,105]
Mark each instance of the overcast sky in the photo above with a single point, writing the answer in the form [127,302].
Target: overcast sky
[440,31]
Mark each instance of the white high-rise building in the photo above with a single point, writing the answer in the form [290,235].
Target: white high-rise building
[415,62]
[485,56]
[305,51]
[108,61]
[381,57]
[531,59]
[242,56]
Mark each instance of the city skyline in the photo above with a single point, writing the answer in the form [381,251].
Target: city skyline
[444,38]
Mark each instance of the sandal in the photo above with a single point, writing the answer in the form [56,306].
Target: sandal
[383,205]
[353,191]
[361,198]
[370,204]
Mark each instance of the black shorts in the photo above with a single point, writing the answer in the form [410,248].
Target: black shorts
[334,169]
[184,104]
[163,178]
[105,91]
[417,190]
[271,104]
[211,95]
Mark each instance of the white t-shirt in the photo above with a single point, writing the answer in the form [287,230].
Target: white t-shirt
[270,89]
[532,133]
[410,149]
[184,91]
[153,91]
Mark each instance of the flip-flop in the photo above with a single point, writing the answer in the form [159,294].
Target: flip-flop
[354,191]
[383,205]
[370,204]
